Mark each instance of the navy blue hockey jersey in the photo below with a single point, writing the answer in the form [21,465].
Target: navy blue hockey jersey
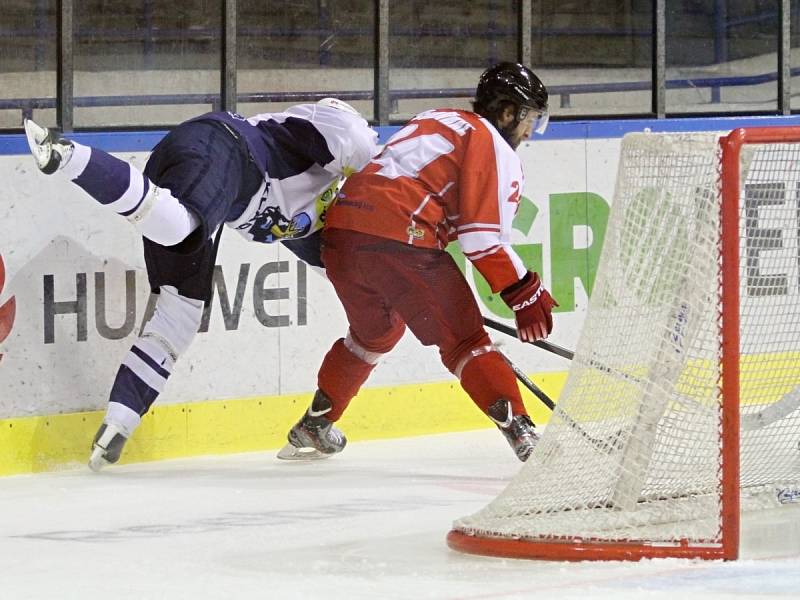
[303,153]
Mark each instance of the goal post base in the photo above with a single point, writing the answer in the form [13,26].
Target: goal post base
[576,551]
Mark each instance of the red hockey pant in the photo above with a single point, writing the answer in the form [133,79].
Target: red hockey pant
[385,286]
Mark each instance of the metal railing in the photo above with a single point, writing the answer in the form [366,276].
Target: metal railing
[564,93]
[385,100]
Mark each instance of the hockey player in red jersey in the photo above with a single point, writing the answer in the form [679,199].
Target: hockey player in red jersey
[447,175]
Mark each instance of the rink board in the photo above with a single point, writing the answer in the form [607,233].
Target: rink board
[48,443]
[74,295]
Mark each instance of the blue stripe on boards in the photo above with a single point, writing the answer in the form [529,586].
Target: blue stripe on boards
[616,128]
[144,141]
[116,141]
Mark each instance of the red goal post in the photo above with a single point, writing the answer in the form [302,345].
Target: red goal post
[694,319]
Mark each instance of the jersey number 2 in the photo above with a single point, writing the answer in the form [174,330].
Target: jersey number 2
[408,157]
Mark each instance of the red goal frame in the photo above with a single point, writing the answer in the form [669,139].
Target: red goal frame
[728,547]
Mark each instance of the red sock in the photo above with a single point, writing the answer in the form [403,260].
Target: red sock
[341,376]
[487,378]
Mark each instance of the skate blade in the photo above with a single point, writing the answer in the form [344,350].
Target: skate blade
[289,452]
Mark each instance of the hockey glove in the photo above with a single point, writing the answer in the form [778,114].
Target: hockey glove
[532,306]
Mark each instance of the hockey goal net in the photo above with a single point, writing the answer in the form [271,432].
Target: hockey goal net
[680,409]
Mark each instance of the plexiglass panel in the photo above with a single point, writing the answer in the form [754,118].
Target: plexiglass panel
[794,61]
[438,50]
[722,56]
[294,51]
[28,64]
[594,55]
[136,62]
[152,64]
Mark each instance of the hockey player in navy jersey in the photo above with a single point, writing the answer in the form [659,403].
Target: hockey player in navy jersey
[271,177]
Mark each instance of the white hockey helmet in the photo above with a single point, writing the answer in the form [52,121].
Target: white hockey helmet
[339,105]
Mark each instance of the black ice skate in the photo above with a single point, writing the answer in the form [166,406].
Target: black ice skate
[51,152]
[314,436]
[518,429]
[107,446]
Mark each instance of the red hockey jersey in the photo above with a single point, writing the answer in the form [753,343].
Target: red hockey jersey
[446,175]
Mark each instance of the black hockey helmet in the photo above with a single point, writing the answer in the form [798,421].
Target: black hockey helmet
[511,82]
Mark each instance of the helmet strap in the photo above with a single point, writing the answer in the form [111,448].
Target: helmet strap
[507,131]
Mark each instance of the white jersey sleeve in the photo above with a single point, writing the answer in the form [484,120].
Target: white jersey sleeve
[306,151]
[351,141]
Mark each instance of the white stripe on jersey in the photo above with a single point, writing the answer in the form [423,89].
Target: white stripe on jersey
[480,226]
[349,138]
[443,191]
[487,252]
[412,227]
[477,241]
[293,205]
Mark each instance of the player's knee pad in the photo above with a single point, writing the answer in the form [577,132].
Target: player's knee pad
[161,217]
[175,320]
[362,353]
[470,355]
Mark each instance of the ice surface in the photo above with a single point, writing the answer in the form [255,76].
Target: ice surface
[369,523]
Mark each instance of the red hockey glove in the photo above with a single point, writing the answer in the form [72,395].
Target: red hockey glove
[532,306]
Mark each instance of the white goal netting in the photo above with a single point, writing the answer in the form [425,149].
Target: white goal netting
[633,451]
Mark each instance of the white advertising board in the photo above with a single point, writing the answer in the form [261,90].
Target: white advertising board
[75,292]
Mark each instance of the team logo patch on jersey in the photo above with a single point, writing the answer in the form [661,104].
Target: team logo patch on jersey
[415,232]
[324,201]
[271,226]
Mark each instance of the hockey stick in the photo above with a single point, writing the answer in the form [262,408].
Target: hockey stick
[774,412]
[749,422]
[550,347]
[558,350]
[525,380]
[605,445]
